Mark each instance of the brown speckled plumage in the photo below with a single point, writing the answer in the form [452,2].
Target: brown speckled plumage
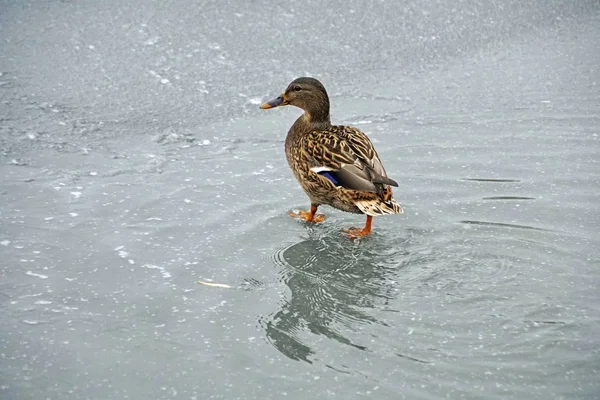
[336,165]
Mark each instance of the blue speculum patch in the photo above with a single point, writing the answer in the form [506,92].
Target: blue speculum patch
[329,175]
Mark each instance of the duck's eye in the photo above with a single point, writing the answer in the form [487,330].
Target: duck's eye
[297,88]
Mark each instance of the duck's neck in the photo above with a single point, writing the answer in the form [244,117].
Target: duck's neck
[304,124]
[310,121]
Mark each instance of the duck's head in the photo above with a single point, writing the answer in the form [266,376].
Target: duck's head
[305,93]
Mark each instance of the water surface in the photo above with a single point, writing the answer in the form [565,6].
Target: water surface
[135,162]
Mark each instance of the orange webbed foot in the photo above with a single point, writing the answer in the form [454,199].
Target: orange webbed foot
[354,233]
[307,216]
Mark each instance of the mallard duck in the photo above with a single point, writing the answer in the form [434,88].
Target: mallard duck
[336,165]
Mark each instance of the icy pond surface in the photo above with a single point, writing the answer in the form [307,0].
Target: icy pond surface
[134,162]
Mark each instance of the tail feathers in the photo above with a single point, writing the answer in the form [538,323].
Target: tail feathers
[379,207]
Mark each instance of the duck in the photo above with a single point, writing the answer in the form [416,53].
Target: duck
[336,165]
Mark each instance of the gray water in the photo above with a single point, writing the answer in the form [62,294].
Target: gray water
[135,162]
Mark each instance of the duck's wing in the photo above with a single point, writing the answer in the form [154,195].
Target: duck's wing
[346,157]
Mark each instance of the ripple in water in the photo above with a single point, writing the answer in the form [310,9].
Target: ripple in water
[337,286]
[492,180]
[320,273]
[502,225]
[508,198]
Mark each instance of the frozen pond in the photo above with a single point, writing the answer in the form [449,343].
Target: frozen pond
[135,162]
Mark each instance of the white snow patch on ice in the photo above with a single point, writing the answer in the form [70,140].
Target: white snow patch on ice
[36,275]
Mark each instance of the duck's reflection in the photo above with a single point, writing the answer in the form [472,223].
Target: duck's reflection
[334,284]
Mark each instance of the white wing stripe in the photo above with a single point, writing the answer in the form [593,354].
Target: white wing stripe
[320,169]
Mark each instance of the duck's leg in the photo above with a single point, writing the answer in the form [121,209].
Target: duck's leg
[308,216]
[357,232]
